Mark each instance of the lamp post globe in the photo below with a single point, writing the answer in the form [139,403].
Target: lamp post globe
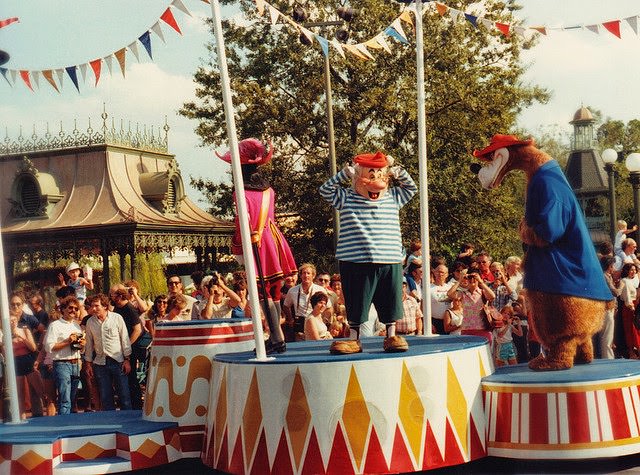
[632,162]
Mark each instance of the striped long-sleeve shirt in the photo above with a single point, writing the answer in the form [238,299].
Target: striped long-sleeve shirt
[369,229]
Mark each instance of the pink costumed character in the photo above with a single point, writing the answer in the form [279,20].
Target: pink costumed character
[275,257]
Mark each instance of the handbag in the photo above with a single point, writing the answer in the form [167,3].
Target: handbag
[491,316]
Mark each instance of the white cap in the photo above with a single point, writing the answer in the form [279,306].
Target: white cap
[72,266]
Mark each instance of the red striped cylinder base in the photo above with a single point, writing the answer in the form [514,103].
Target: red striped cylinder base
[590,411]
[180,371]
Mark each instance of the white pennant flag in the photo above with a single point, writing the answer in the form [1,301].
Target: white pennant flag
[310,36]
[180,6]
[133,47]
[60,74]
[398,27]
[488,24]
[363,49]
[275,14]
[593,28]
[633,23]
[336,44]
[519,30]
[158,30]
[14,74]
[83,72]
[455,14]
[382,42]
[35,75]
[109,61]
[260,7]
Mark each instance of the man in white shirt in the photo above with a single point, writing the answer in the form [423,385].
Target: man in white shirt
[65,341]
[174,286]
[296,304]
[439,300]
[107,336]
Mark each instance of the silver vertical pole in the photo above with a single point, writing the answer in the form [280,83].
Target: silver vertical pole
[332,142]
[422,172]
[243,216]
[10,368]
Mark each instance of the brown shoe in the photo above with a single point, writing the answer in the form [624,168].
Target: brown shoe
[345,347]
[395,344]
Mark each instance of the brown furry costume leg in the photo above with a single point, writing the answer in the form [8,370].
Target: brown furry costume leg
[564,325]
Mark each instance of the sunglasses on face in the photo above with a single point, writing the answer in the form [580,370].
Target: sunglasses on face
[71,307]
[173,282]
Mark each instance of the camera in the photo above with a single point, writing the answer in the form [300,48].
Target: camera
[214,280]
[77,340]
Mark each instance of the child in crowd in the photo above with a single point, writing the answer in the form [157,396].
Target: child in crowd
[503,336]
[415,250]
[621,235]
[80,284]
[453,316]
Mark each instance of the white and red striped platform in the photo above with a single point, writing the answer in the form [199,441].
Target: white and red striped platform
[590,411]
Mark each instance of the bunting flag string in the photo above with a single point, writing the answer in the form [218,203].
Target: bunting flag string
[31,77]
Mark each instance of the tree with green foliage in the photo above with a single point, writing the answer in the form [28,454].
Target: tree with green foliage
[474,89]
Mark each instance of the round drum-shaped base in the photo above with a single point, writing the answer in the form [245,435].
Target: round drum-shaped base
[307,411]
[589,411]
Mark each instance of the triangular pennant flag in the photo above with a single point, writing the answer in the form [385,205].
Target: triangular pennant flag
[383,43]
[169,19]
[121,55]
[354,51]
[133,47]
[398,27]
[519,30]
[324,44]
[593,28]
[613,27]
[309,34]
[145,39]
[3,71]
[96,65]
[14,75]
[455,14]
[406,17]
[488,24]
[503,27]
[539,29]
[275,14]
[83,72]
[25,77]
[109,61]
[35,76]
[373,43]
[442,9]
[390,31]
[205,1]
[471,19]
[363,49]
[8,21]
[71,71]
[180,6]
[158,30]
[633,23]
[48,75]
[338,46]
[60,74]
[260,7]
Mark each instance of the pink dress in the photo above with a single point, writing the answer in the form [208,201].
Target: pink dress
[276,257]
[473,322]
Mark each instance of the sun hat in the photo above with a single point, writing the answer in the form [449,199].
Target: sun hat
[501,141]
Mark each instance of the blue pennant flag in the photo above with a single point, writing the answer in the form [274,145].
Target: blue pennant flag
[391,31]
[145,39]
[324,44]
[3,71]
[472,19]
[71,71]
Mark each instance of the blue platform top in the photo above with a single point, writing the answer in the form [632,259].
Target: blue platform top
[212,321]
[318,351]
[597,370]
[46,430]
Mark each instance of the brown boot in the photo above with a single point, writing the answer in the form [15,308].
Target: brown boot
[345,347]
[395,344]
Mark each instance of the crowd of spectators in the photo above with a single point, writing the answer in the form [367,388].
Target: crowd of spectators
[100,343]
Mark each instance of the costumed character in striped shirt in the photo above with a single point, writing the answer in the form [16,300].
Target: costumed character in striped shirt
[369,247]
[274,259]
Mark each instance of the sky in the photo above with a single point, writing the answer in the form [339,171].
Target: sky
[578,66]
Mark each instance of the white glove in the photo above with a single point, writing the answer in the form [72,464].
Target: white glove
[349,171]
[395,171]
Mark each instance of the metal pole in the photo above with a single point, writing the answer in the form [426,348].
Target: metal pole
[332,141]
[9,364]
[635,183]
[422,173]
[612,200]
[245,231]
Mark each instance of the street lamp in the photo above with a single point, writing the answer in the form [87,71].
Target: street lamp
[633,165]
[609,157]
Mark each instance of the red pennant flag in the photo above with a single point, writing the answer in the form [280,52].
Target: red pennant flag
[8,21]
[48,75]
[25,77]
[503,27]
[96,65]
[540,29]
[613,27]
[168,18]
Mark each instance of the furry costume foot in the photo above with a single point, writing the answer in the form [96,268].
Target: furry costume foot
[584,353]
[540,363]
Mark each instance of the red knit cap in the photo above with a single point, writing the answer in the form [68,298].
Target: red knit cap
[372,160]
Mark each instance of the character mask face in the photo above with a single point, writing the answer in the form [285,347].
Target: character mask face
[371,183]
